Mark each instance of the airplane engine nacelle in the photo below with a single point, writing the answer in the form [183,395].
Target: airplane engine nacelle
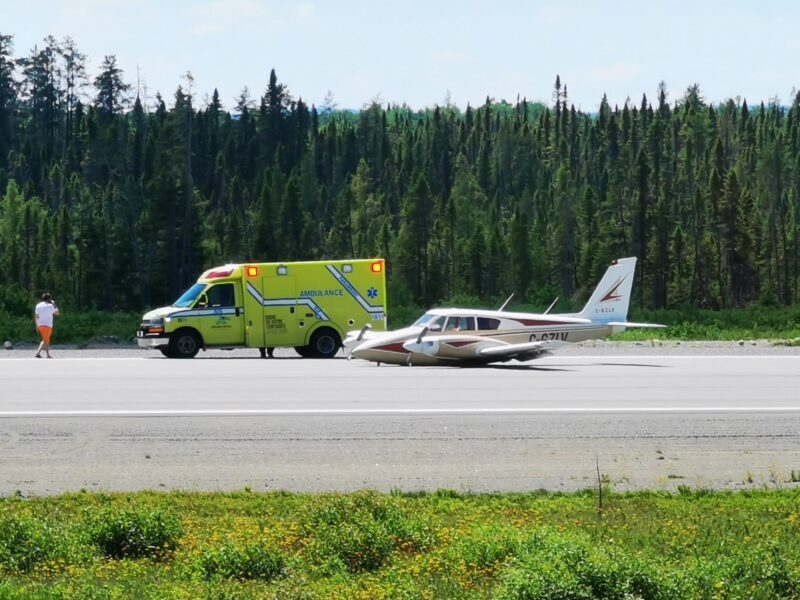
[426,346]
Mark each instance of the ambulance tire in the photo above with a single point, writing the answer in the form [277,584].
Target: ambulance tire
[184,343]
[166,352]
[325,343]
[304,351]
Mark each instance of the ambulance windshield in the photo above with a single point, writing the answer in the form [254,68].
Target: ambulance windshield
[189,296]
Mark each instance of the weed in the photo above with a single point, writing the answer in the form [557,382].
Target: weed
[256,560]
[135,532]
[25,542]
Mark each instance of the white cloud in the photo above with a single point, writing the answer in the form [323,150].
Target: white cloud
[555,14]
[218,16]
[449,57]
[616,72]
[305,12]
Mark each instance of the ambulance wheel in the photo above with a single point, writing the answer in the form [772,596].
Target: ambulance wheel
[165,352]
[304,351]
[184,343]
[325,343]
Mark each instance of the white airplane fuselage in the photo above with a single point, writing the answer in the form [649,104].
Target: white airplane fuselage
[450,336]
[449,346]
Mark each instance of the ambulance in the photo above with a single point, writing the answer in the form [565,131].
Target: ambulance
[306,305]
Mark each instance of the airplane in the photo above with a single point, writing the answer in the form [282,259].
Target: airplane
[456,336]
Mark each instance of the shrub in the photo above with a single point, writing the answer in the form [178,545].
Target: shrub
[249,561]
[362,531]
[136,533]
[570,566]
[361,544]
[488,547]
[25,542]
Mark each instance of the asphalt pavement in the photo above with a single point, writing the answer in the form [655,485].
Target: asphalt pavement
[130,420]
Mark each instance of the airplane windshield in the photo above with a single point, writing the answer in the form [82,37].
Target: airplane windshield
[189,296]
[429,320]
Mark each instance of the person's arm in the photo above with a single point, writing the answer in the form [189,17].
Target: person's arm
[56,310]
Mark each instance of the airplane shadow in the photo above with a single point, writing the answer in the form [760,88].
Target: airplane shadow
[611,364]
[513,367]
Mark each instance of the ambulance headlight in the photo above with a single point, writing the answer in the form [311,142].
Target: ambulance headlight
[156,322]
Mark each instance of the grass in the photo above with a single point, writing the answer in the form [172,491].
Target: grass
[781,324]
[648,545]
[74,327]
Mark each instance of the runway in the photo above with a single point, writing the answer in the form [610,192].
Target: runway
[142,422]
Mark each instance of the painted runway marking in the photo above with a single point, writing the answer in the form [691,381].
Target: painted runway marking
[387,411]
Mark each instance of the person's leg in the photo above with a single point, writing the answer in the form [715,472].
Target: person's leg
[45,332]
[270,350]
[263,352]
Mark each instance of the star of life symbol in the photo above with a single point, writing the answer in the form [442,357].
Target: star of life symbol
[372,292]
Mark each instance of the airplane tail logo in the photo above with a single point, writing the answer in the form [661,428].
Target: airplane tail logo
[612,296]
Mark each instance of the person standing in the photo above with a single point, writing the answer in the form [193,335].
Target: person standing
[43,316]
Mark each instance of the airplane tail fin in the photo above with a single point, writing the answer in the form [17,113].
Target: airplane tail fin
[612,296]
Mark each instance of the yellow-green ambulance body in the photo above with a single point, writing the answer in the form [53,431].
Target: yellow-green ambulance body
[307,305]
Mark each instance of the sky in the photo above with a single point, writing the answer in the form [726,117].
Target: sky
[424,53]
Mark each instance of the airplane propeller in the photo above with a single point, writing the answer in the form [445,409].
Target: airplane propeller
[359,337]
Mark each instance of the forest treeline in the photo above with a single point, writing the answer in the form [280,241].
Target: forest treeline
[116,203]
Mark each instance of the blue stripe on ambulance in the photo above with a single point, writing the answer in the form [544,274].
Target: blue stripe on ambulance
[352,291]
[206,312]
[320,314]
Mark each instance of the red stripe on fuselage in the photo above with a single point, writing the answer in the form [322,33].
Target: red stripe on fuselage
[392,348]
[536,322]
[460,344]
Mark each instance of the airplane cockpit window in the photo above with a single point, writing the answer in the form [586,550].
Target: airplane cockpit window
[429,320]
[437,320]
[487,323]
[460,324]
[423,320]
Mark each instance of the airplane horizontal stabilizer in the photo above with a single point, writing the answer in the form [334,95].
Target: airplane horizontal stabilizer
[637,325]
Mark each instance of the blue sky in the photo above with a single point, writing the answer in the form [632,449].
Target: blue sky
[416,52]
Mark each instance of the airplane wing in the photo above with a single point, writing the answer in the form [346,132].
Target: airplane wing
[524,351]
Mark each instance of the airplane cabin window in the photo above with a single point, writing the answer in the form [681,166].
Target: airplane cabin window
[487,323]
[460,324]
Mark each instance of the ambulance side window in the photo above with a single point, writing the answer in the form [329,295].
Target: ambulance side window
[221,295]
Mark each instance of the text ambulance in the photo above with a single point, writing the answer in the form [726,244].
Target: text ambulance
[308,305]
